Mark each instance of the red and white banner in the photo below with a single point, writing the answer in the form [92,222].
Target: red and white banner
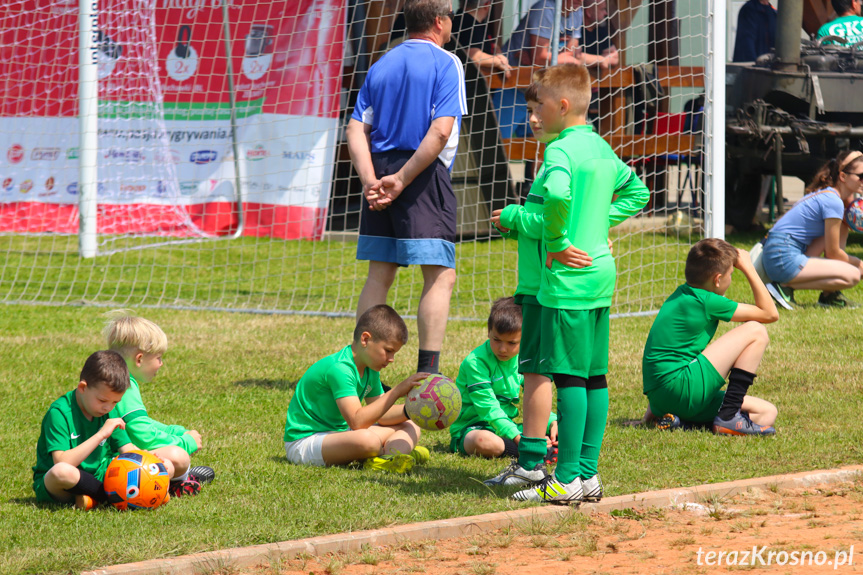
[166,150]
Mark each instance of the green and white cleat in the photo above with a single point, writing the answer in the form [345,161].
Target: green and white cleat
[515,474]
[592,488]
[550,490]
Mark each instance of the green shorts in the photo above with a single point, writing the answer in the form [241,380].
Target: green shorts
[528,353]
[693,392]
[42,493]
[456,444]
[574,342]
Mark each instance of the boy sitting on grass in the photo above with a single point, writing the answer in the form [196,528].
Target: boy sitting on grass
[327,423]
[79,439]
[683,375]
[142,343]
[489,383]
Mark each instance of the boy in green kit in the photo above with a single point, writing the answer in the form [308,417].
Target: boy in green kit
[587,189]
[142,344]
[489,383]
[327,423]
[79,439]
[683,375]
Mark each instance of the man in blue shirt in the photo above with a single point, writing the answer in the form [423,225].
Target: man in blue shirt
[402,137]
[756,30]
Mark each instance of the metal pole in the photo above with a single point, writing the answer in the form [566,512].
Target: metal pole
[555,31]
[238,164]
[88,118]
[714,109]
[788,24]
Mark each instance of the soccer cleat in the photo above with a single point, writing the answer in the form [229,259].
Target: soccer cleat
[592,488]
[784,296]
[515,474]
[421,455]
[669,422]
[740,424]
[835,299]
[551,456]
[551,490]
[85,503]
[188,486]
[202,474]
[397,463]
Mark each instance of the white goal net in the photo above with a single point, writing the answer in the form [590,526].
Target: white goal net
[223,177]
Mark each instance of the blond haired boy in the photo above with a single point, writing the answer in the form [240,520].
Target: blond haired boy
[142,343]
[587,189]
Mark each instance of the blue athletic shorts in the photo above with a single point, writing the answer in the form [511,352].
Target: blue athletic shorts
[419,227]
[783,257]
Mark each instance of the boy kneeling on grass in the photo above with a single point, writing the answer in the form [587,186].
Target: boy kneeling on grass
[490,386]
[79,439]
[327,423]
[683,375]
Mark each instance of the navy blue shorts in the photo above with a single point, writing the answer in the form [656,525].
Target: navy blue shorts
[419,227]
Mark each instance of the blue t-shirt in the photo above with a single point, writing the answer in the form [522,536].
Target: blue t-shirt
[539,21]
[805,221]
[411,85]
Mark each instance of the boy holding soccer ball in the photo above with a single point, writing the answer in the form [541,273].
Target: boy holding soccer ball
[683,375]
[489,383]
[79,438]
[327,423]
[585,190]
[142,343]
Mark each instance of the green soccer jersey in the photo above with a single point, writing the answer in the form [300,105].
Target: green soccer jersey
[65,427]
[489,393]
[848,27]
[313,407]
[684,326]
[147,433]
[526,225]
[583,175]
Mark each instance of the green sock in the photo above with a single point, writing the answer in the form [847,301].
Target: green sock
[594,429]
[571,413]
[531,451]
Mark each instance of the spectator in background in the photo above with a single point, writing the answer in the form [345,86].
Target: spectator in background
[470,28]
[756,30]
[848,24]
[596,37]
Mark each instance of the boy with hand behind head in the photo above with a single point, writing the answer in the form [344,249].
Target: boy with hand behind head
[587,190]
[683,375]
[142,343]
[489,383]
[327,423]
[79,439]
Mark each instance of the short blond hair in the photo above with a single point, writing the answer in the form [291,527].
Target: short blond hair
[570,82]
[129,334]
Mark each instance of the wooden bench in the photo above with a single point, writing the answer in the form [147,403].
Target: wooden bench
[626,147]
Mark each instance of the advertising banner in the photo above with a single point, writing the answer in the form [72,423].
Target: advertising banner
[167,150]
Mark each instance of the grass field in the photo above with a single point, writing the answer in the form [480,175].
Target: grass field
[231,376]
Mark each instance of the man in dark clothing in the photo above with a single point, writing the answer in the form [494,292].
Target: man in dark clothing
[756,30]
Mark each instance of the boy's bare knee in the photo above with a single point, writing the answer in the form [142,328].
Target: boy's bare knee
[758,331]
[369,443]
[65,474]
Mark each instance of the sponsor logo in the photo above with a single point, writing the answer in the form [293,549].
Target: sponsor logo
[257,153]
[171,156]
[74,436]
[203,157]
[46,194]
[8,184]
[45,154]
[293,155]
[72,153]
[192,7]
[130,189]
[15,153]
[72,189]
[125,156]
[189,187]
[49,183]
[25,186]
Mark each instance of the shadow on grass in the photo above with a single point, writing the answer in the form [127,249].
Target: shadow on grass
[279,384]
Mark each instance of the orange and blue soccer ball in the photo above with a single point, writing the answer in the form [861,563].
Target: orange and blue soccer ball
[435,403]
[136,480]
[854,215]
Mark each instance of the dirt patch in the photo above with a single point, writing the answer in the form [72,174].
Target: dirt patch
[807,530]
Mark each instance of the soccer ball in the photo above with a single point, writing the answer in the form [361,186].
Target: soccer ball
[854,215]
[435,403]
[136,480]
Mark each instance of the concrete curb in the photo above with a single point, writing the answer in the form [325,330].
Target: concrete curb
[459,527]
